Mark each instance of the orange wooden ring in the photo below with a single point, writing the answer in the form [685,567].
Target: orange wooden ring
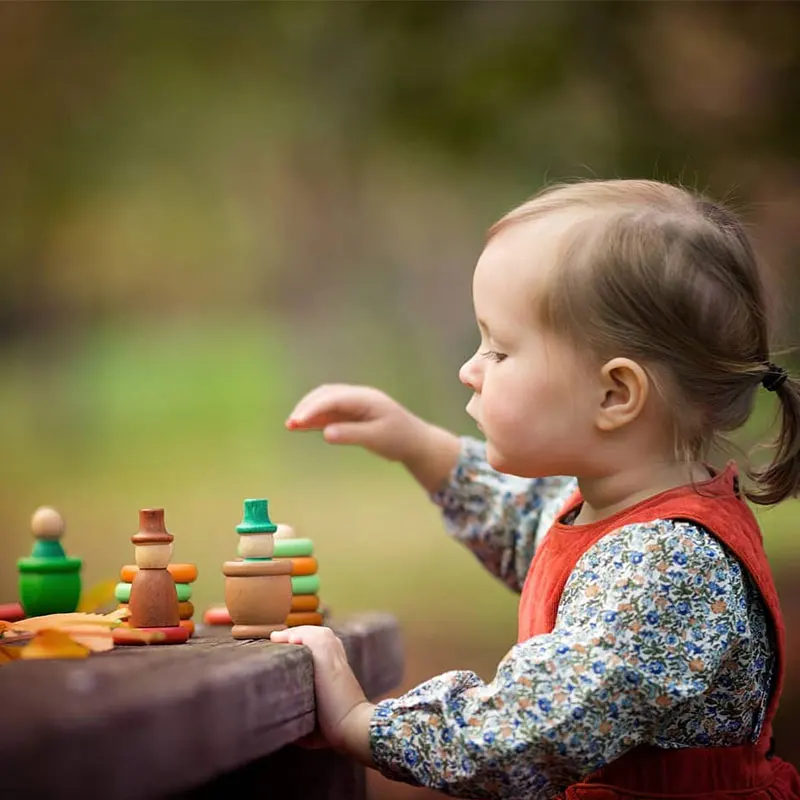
[181,573]
[217,615]
[305,602]
[125,636]
[304,565]
[186,610]
[304,618]
[189,625]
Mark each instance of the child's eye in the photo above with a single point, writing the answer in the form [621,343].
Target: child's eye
[493,355]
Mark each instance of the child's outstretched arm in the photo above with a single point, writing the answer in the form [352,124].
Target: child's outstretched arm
[499,517]
[638,647]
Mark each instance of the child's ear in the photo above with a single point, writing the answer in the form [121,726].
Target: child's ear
[625,387]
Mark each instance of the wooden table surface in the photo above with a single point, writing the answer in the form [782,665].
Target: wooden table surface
[144,722]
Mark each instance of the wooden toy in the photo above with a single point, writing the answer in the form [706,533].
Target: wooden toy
[258,589]
[168,635]
[299,552]
[182,574]
[153,598]
[49,580]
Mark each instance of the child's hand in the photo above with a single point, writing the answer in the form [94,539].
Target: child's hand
[343,713]
[360,415]
[365,416]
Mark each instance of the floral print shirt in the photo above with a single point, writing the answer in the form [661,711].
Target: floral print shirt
[660,639]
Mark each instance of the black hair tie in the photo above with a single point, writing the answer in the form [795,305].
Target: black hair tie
[774,378]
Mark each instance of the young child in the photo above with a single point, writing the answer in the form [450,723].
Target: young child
[623,332]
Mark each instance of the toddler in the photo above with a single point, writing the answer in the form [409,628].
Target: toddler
[623,333]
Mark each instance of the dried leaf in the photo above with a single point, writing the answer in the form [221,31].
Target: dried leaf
[9,653]
[59,621]
[53,644]
[97,638]
[94,642]
[97,598]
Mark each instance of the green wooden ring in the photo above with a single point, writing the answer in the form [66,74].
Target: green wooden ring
[122,591]
[305,584]
[293,548]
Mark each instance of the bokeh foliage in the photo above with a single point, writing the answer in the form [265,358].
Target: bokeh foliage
[206,209]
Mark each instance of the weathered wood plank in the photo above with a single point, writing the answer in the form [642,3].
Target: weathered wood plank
[148,721]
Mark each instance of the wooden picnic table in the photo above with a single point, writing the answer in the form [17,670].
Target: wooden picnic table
[212,718]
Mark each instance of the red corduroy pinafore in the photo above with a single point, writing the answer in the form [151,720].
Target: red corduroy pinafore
[747,772]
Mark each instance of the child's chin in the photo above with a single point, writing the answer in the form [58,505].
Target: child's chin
[498,461]
[509,465]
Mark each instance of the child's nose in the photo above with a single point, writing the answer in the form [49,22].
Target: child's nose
[469,374]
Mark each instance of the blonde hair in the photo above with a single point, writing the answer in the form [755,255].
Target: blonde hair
[670,278]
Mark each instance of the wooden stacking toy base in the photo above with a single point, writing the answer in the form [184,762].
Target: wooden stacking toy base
[171,635]
[258,595]
[218,615]
[254,631]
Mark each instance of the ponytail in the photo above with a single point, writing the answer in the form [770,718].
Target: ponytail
[780,479]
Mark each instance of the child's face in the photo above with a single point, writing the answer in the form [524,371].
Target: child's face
[533,395]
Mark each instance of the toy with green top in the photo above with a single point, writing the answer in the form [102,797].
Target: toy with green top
[49,579]
[258,589]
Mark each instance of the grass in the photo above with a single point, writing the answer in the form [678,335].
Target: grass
[192,419]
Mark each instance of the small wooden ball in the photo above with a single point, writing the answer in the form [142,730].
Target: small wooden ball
[285,532]
[47,523]
[152,556]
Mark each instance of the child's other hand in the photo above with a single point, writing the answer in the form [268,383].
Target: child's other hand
[360,415]
[343,713]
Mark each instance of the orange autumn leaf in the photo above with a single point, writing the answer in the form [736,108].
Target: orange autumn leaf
[93,642]
[9,653]
[95,637]
[61,621]
[53,644]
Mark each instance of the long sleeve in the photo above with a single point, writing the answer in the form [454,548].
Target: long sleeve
[500,518]
[660,639]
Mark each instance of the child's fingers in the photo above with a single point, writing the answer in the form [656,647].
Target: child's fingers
[310,398]
[350,432]
[309,635]
[326,398]
[286,636]
[329,404]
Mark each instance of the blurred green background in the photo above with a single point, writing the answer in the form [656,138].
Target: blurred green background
[208,209]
